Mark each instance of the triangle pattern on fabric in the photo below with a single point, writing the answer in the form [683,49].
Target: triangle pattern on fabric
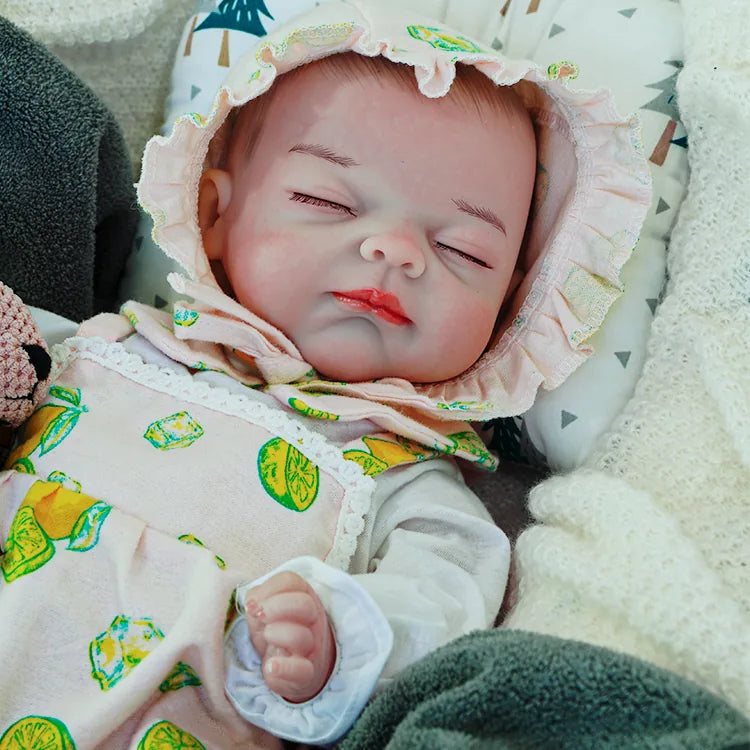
[159,302]
[555,30]
[566,418]
[628,12]
[624,358]
[497,44]
[651,302]
[662,206]
[194,91]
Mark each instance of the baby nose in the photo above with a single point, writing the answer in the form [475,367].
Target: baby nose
[400,252]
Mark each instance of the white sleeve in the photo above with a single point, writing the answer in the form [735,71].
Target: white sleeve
[431,558]
[363,642]
[430,565]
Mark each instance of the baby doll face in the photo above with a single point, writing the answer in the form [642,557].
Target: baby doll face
[377,228]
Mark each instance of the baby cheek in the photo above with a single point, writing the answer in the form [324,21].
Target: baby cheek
[256,262]
[469,326]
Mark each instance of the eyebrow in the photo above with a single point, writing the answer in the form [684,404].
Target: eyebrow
[323,152]
[485,214]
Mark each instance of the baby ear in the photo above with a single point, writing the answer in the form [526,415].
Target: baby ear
[214,196]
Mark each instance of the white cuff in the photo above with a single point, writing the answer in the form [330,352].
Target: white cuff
[363,643]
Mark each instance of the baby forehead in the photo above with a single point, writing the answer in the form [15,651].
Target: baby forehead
[350,80]
[374,106]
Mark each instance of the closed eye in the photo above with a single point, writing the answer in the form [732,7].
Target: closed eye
[463,255]
[311,200]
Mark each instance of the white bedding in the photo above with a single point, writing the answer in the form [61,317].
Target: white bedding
[54,328]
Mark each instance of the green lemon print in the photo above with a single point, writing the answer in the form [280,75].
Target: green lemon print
[441,40]
[166,736]
[192,539]
[27,547]
[121,648]
[371,465]
[178,430]
[184,317]
[182,675]
[472,443]
[37,733]
[287,475]
[308,411]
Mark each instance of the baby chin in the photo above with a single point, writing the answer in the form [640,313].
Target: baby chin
[354,350]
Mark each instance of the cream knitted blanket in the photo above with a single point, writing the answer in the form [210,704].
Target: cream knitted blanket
[646,549]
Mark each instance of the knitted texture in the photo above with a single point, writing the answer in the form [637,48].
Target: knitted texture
[23,360]
[647,548]
[124,52]
[83,21]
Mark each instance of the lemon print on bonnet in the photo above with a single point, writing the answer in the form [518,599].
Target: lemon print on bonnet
[439,39]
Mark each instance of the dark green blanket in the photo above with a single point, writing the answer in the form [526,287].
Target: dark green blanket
[67,202]
[512,689]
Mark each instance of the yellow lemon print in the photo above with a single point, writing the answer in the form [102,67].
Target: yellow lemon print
[184,317]
[85,532]
[402,452]
[321,36]
[371,465]
[48,427]
[471,443]
[166,736]
[131,316]
[440,40]
[192,539]
[563,69]
[27,547]
[37,733]
[32,431]
[287,475]
[182,675]
[175,431]
[121,648]
[460,405]
[308,411]
[62,478]
[56,508]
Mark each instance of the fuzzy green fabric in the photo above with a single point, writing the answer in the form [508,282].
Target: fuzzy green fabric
[67,202]
[514,689]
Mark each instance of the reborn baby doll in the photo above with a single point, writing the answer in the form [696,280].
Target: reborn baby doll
[365,282]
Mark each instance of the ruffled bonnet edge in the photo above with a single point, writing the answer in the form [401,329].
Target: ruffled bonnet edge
[592,194]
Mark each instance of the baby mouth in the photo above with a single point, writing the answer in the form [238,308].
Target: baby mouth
[382,304]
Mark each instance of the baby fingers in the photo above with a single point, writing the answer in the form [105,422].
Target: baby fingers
[290,676]
[291,637]
[295,606]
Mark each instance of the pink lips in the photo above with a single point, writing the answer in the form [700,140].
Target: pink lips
[382,304]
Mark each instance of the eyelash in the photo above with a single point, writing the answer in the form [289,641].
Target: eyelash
[311,200]
[465,256]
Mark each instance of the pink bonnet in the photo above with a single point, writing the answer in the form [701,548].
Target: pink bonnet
[592,194]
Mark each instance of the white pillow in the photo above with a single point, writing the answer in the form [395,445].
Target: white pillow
[53,327]
[635,49]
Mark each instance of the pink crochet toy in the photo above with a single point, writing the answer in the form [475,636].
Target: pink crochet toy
[24,361]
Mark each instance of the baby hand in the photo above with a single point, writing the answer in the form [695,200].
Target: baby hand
[289,629]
